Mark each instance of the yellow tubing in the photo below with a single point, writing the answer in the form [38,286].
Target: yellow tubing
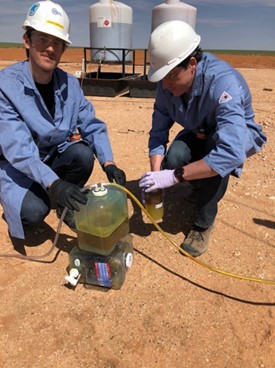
[203,264]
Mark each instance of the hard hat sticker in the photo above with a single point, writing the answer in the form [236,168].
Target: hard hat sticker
[56,12]
[33,9]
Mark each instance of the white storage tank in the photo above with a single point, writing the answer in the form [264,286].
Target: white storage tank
[111,24]
[173,10]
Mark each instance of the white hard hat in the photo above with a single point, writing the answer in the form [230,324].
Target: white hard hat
[170,43]
[49,17]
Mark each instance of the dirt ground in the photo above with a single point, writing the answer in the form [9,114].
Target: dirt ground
[171,311]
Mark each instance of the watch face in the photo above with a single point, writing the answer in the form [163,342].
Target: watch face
[179,171]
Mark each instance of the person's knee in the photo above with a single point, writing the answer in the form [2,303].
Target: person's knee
[177,155]
[33,215]
[83,155]
[35,207]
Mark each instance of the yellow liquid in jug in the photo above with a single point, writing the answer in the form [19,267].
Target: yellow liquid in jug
[102,245]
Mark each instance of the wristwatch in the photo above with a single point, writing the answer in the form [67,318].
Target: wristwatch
[179,172]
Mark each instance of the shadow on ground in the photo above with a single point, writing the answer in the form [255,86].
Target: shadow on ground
[178,210]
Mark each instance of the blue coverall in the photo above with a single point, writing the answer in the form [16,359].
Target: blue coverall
[219,109]
[29,134]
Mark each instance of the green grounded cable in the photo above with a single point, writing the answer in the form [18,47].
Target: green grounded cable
[203,264]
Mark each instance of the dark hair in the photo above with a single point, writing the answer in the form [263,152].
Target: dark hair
[197,54]
[28,33]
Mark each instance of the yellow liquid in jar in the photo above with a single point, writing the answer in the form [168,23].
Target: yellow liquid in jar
[156,213]
[154,204]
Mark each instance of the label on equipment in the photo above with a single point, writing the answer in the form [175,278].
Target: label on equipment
[103,22]
[103,274]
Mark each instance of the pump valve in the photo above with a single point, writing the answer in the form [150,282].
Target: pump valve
[73,276]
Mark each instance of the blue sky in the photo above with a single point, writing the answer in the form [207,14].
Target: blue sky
[222,24]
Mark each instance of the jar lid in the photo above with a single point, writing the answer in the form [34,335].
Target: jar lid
[99,190]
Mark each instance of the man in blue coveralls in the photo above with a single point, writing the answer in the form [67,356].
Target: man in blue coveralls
[212,102]
[49,131]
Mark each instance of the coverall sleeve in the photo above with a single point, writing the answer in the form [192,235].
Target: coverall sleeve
[161,125]
[94,131]
[231,130]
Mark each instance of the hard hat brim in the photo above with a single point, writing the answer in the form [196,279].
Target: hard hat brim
[50,32]
[155,75]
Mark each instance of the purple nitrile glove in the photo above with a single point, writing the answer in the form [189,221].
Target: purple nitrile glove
[153,180]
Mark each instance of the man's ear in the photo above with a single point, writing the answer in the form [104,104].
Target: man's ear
[26,41]
[193,61]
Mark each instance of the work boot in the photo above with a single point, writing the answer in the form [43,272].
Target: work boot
[196,242]
[68,219]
